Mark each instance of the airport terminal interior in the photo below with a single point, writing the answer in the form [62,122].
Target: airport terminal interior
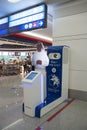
[54,98]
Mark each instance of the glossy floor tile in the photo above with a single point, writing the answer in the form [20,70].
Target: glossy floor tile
[71,117]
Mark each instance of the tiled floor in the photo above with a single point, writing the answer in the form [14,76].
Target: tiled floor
[72,117]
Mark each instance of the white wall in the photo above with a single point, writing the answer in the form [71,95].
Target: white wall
[72,31]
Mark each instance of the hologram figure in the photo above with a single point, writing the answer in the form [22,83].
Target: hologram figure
[40,60]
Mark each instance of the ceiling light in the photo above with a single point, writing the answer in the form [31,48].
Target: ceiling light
[14,1]
[38,36]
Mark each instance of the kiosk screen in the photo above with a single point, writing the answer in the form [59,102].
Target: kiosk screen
[31,76]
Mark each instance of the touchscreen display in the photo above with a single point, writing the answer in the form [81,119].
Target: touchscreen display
[31,76]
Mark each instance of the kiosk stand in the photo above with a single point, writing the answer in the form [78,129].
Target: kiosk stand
[56,86]
[33,92]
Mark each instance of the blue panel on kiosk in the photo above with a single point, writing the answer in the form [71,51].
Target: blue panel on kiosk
[54,77]
[38,109]
[54,73]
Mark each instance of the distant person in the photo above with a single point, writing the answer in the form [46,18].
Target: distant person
[25,66]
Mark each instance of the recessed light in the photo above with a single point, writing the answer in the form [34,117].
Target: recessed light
[38,36]
[14,1]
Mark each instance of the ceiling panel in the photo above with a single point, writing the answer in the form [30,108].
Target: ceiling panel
[8,8]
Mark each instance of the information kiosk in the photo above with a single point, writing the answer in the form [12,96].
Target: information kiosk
[57,75]
[33,92]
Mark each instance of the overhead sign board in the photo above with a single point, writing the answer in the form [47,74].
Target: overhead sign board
[3,26]
[29,19]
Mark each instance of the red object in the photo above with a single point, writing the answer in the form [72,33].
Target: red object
[31,38]
[60,110]
[34,24]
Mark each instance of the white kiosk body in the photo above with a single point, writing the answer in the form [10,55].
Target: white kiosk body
[33,92]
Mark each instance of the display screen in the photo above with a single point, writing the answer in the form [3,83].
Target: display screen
[31,76]
[3,26]
[29,19]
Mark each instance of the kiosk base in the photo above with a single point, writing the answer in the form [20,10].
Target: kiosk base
[44,108]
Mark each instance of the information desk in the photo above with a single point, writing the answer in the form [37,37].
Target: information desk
[33,92]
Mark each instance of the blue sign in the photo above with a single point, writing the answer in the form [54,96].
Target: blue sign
[3,26]
[29,19]
[54,73]
[54,77]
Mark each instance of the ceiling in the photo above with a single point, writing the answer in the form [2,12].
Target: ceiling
[56,8]
[8,8]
